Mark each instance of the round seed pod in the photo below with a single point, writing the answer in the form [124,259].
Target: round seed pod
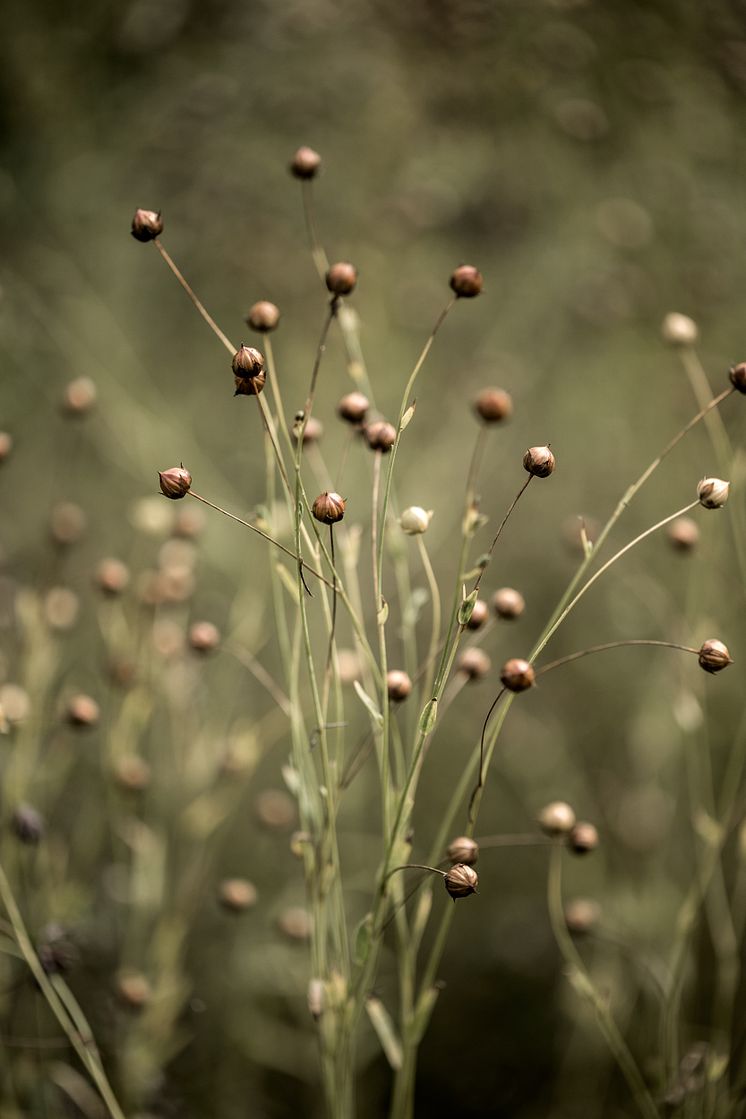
[508,603]
[474,663]
[236,895]
[329,508]
[479,614]
[67,523]
[712,493]
[79,396]
[204,637]
[295,923]
[737,375]
[15,704]
[189,523]
[305,163]
[556,819]
[466,281]
[312,432]
[275,809]
[463,850]
[581,915]
[539,462]
[415,520]
[380,435]
[82,711]
[112,577]
[131,773]
[493,405]
[56,951]
[398,684]
[517,675]
[133,990]
[61,606]
[6,445]
[583,838]
[353,407]
[679,330]
[341,278]
[147,225]
[248,365]
[263,317]
[175,482]
[683,534]
[714,656]
[27,825]
[461,880]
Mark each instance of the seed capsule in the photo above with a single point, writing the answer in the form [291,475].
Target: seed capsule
[305,163]
[341,278]
[461,880]
[415,520]
[466,281]
[204,637]
[27,824]
[353,407]
[134,990]
[493,405]
[581,914]
[583,838]
[508,603]
[463,850]
[713,493]
[247,362]
[380,435]
[737,374]
[175,482]
[275,809]
[82,711]
[398,684]
[263,317]
[328,508]
[474,663]
[112,576]
[517,675]
[147,225]
[6,445]
[131,773]
[683,534]
[67,523]
[556,818]
[237,895]
[679,330]
[479,614]
[714,656]
[539,462]
[295,922]
[79,396]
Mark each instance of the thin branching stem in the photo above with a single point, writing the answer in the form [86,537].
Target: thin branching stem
[197,302]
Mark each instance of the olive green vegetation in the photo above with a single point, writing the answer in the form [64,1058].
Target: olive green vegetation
[588,157]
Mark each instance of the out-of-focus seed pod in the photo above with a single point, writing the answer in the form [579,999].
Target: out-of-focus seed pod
[6,445]
[461,880]
[56,950]
[349,665]
[679,330]
[82,711]
[27,824]
[714,656]
[204,637]
[683,534]
[131,773]
[236,895]
[175,482]
[147,225]
[329,508]
[398,684]
[582,915]
[556,818]
[737,375]
[275,809]
[380,435]
[474,663]
[299,841]
[415,520]
[583,838]
[61,606]
[295,923]
[15,704]
[353,407]
[316,998]
[189,523]
[79,396]
[466,281]
[517,675]
[112,577]
[263,317]
[539,462]
[493,405]
[479,614]
[508,603]
[67,523]
[133,990]
[305,163]
[341,278]
[463,850]
[712,493]
[312,432]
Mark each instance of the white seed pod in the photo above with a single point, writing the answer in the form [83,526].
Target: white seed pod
[712,493]
[415,520]
[679,330]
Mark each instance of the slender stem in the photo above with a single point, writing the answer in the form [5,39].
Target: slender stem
[320,258]
[320,350]
[612,645]
[513,841]
[332,631]
[501,526]
[416,866]
[197,302]
[382,651]
[432,583]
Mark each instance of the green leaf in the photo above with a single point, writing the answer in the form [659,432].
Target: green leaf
[363,939]
[428,716]
[407,417]
[373,711]
[384,1027]
[466,608]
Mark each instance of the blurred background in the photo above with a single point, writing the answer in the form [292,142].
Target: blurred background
[588,157]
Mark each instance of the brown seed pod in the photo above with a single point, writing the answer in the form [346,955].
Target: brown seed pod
[556,819]
[67,523]
[147,225]
[295,923]
[131,773]
[6,445]
[581,914]
[539,462]
[712,493]
[249,386]
[175,482]
[341,278]
[133,990]
[714,656]
[380,435]
[328,508]
[204,637]
[737,374]
[517,675]
[305,163]
[583,838]
[112,577]
[82,711]
[353,407]
[247,362]
[263,317]
[461,880]
[466,281]
[275,809]
[398,684]
[479,614]
[474,663]
[312,432]
[508,603]
[463,850]
[683,534]
[236,895]
[79,396]
[27,825]
[493,405]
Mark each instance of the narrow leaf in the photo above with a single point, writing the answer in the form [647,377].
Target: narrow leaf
[373,711]
[386,1031]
